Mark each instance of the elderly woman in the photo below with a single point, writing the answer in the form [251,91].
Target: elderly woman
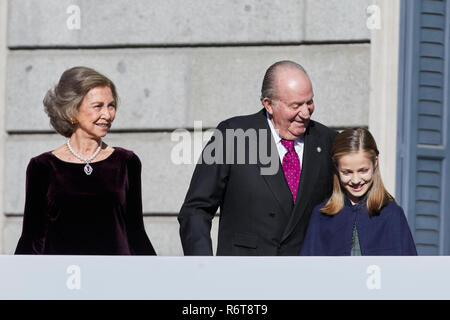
[85,196]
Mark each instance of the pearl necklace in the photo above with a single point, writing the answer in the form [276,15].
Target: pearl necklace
[87,168]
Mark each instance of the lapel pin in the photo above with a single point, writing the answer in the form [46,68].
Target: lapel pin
[319,149]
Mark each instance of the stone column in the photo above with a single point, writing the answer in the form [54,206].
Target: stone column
[383,84]
[3,54]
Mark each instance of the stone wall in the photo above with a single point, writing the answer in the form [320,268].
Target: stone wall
[174,62]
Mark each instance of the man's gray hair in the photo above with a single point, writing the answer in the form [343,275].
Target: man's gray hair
[268,89]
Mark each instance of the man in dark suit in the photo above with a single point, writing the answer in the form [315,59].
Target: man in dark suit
[265,206]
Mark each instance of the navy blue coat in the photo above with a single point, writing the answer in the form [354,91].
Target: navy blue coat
[385,234]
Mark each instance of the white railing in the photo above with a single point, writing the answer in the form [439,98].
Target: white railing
[223,278]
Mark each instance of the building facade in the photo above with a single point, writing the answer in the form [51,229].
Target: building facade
[180,65]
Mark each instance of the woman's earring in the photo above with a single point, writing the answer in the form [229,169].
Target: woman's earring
[73,121]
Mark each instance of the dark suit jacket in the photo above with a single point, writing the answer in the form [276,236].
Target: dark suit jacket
[257,213]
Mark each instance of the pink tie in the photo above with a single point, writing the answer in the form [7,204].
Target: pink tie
[291,167]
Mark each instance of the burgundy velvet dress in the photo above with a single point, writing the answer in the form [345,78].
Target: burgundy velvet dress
[70,213]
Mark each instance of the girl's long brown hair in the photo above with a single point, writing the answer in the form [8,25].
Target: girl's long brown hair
[352,141]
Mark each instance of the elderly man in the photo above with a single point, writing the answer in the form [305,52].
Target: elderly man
[262,213]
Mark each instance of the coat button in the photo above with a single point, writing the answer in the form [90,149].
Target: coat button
[272,214]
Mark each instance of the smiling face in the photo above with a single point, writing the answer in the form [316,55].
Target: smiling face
[291,108]
[356,174]
[96,113]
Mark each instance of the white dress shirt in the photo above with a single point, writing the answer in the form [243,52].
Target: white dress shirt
[298,143]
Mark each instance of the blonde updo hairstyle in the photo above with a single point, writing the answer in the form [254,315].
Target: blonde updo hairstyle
[62,102]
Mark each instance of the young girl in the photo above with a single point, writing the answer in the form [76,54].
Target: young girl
[361,217]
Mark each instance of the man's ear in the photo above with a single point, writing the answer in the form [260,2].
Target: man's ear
[267,103]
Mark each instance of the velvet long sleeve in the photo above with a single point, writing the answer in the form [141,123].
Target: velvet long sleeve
[34,220]
[69,212]
[137,237]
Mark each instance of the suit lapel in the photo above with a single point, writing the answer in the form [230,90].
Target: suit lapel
[309,173]
[276,182]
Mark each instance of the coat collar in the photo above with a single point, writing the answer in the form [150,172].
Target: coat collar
[310,170]
[276,181]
